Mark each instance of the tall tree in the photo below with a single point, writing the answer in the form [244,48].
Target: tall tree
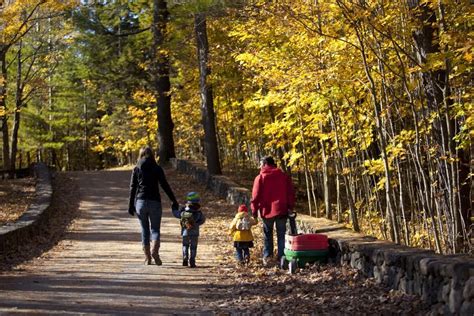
[3,106]
[113,78]
[17,19]
[207,105]
[162,86]
[18,105]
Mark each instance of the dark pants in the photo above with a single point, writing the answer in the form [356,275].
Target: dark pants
[268,223]
[190,243]
[242,253]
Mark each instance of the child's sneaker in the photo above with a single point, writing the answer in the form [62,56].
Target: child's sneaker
[185,262]
[192,263]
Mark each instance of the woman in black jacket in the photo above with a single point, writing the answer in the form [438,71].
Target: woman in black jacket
[145,200]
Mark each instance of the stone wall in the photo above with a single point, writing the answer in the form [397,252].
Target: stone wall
[219,185]
[444,282]
[13,234]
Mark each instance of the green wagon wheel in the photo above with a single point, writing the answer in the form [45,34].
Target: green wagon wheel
[283,263]
[293,265]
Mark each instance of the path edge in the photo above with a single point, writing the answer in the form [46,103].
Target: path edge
[35,217]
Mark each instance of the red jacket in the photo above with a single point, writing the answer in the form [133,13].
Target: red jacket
[272,193]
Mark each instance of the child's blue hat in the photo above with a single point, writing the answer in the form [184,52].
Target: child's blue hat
[193,197]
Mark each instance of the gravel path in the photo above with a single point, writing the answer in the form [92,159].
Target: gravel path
[98,268]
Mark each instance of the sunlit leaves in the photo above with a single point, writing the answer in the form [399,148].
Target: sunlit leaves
[17,17]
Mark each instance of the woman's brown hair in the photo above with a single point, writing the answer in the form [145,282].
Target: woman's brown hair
[146,152]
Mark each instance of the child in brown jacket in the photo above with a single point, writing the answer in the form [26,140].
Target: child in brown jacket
[241,232]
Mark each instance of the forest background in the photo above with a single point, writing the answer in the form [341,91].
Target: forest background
[366,103]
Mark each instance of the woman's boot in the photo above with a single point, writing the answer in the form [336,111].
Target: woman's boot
[146,251]
[155,247]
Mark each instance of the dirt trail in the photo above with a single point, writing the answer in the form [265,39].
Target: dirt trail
[98,268]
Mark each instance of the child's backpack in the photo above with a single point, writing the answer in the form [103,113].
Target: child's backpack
[243,223]
[187,220]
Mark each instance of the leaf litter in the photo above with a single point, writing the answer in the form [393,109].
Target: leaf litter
[323,289]
[15,197]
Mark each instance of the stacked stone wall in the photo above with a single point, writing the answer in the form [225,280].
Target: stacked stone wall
[34,219]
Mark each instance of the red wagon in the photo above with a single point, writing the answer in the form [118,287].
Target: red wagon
[306,242]
[301,249]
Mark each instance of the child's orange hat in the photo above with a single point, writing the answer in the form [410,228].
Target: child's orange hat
[243,208]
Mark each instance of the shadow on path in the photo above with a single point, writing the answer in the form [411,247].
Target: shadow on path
[98,267]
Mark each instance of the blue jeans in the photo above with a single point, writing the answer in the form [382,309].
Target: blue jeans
[268,223]
[242,253]
[149,213]
[190,243]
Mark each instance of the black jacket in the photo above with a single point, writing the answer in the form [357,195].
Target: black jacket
[144,183]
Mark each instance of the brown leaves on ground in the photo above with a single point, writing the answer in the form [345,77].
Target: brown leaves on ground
[15,197]
[64,208]
[316,289]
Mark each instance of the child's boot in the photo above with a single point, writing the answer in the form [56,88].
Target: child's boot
[185,262]
[192,263]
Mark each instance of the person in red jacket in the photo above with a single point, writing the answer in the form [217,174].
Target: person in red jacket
[273,196]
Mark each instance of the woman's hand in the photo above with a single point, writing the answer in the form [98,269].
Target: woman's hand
[175,205]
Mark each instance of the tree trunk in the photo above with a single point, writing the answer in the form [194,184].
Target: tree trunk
[313,194]
[466,190]
[402,204]
[161,81]
[85,143]
[327,192]
[207,105]
[338,190]
[3,107]
[305,167]
[18,105]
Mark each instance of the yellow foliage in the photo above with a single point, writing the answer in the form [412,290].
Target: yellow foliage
[374,166]
[293,157]
[16,17]
[144,97]
[381,183]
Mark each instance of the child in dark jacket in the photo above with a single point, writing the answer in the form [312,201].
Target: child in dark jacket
[191,218]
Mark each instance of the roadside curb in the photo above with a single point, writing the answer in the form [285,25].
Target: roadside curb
[28,225]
